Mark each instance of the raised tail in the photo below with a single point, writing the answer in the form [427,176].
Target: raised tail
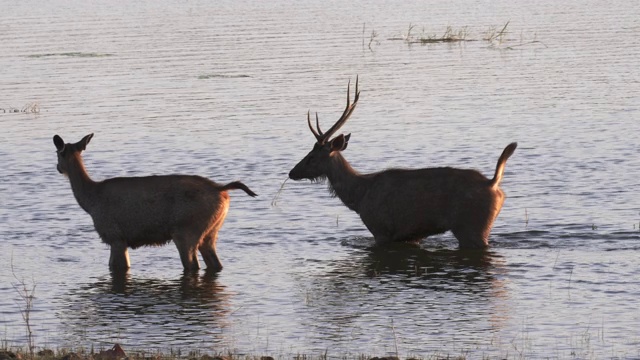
[238,185]
[502,161]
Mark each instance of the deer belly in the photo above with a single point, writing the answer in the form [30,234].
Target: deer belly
[135,231]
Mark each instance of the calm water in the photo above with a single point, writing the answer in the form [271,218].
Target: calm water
[222,90]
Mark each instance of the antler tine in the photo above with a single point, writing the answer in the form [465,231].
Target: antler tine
[318,125]
[347,111]
[355,101]
[319,137]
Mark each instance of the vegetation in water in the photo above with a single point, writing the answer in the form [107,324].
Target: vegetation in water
[30,108]
[496,36]
[223,76]
[70,54]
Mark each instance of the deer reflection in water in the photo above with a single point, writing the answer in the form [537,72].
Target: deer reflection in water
[189,310]
[406,287]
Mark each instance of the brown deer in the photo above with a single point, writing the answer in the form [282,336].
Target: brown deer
[130,212]
[406,204]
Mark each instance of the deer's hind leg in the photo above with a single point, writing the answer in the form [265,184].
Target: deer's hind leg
[469,238]
[208,251]
[208,242]
[187,244]
[474,232]
[475,220]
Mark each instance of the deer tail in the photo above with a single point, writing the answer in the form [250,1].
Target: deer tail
[239,186]
[502,161]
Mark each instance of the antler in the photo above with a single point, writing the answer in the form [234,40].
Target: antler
[318,136]
[323,137]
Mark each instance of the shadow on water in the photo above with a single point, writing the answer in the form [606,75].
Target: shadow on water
[188,310]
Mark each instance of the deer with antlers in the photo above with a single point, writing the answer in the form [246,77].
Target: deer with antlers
[406,205]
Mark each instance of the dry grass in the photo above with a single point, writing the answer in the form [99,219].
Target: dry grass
[117,353]
[496,36]
[276,197]
[450,35]
[492,34]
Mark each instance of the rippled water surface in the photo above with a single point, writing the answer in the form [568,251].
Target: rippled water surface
[221,89]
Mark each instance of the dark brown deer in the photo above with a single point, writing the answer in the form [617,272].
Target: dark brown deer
[130,212]
[406,204]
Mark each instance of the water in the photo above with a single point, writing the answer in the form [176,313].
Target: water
[222,90]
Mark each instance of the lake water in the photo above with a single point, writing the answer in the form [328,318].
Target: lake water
[221,89]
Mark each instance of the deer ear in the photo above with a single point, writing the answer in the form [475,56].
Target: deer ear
[346,141]
[340,142]
[58,142]
[85,140]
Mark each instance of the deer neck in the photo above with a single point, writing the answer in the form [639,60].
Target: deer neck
[84,189]
[346,183]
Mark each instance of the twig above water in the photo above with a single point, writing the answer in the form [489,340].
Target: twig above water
[274,201]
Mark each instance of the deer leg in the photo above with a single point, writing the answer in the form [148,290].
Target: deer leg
[119,258]
[380,234]
[187,247]
[382,239]
[474,225]
[208,251]
[472,238]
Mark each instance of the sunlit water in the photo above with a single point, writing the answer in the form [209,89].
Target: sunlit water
[221,89]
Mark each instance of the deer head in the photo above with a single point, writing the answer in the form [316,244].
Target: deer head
[66,151]
[314,166]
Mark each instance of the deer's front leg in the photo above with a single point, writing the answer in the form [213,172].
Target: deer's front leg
[119,258]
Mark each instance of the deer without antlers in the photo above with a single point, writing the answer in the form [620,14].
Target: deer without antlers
[406,204]
[130,212]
